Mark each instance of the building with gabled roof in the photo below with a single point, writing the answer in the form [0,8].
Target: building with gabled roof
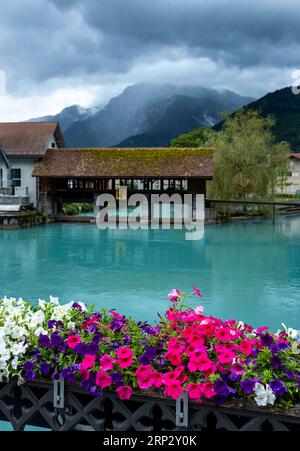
[25,143]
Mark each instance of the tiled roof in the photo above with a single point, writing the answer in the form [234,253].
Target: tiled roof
[295,155]
[28,138]
[116,162]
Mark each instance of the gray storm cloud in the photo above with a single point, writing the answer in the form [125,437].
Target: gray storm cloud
[48,44]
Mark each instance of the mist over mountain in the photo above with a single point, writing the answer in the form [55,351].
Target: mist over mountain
[146,114]
[284,107]
[67,116]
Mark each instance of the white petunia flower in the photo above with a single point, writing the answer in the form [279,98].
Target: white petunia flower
[264,395]
[54,300]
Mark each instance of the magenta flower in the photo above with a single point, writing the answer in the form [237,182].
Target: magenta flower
[197,292]
[124,392]
[107,362]
[73,341]
[125,357]
[103,380]
[88,362]
[194,391]
[174,295]
[174,389]
[226,357]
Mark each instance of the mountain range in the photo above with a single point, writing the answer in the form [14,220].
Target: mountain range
[145,114]
[284,106]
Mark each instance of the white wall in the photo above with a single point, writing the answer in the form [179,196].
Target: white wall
[26,165]
[52,141]
[294,178]
[4,174]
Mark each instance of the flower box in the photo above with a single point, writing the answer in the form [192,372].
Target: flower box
[70,367]
[31,404]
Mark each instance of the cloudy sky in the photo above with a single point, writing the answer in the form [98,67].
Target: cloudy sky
[55,53]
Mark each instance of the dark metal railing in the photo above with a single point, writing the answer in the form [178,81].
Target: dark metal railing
[54,407]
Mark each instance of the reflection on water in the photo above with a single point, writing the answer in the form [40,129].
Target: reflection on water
[250,271]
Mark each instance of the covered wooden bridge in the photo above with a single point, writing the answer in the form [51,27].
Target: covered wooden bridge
[80,175]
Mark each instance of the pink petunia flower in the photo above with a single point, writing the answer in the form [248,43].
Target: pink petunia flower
[174,295]
[88,362]
[124,392]
[144,376]
[246,346]
[226,357]
[107,362]
[194,391]
[199,309]
[125,357]
[157,379]
[103,379]
[73,341]
[197,292]
[174,389]
[208,390]
[223,334]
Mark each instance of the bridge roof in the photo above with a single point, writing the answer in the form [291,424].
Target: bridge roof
[121,162]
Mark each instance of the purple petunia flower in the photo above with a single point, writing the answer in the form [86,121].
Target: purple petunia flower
[97,338]
[35,353]
[44,341]
[117,324]
[278,387]
[55,375]
[76,306]
[289,374]
[92,348]
[28,365]
[221,388]
[51,323]
[126,339]
[81,349]
[115,345]
[276,362]
[117,378]
[148,356]
[85,385]
[248,385]
[160,361]
[254,352]
[56,340]
[65,372]
[92,377]
[30,375]
[45,368]
[234,377]
[278,347]
[266,340]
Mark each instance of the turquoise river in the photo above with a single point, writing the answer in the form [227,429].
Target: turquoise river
[248,271]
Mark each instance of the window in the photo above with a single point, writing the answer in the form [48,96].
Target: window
[16,177]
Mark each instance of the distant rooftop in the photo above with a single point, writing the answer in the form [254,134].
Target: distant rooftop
[122,162]
[295,155]
[28,138]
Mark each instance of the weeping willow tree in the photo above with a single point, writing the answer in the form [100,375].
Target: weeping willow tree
[248,163]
